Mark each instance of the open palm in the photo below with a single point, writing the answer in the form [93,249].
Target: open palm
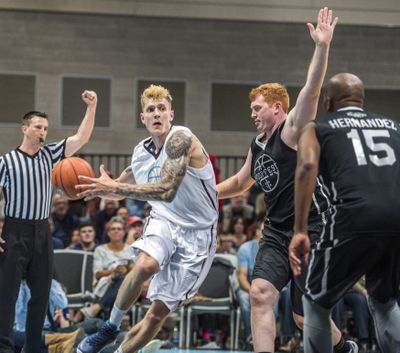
[323,32]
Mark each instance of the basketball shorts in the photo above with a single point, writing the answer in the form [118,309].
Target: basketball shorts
[184,255]
[335,266]
[272,264]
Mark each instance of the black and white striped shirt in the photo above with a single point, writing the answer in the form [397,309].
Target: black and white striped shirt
[26,181]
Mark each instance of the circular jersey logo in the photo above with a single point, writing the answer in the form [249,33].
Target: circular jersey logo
[266,173]
[154,175]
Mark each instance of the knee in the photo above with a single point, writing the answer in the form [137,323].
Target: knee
[263,294]
[154,318]
[298,320]
[146,266]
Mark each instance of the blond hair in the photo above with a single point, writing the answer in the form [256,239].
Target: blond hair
[155,92]
[272,92]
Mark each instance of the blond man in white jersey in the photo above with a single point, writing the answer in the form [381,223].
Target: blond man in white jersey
[172,171]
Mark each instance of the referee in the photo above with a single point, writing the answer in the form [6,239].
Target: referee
[25,245]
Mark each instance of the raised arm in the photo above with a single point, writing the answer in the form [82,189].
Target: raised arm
[305,179]
[178,149]
[74,143]
[238,183]
[306,106]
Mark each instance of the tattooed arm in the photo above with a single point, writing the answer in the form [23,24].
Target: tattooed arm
[178,149]
[174,169]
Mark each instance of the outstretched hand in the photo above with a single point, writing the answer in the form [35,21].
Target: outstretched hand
[94,187]
[323,32]
[299,249]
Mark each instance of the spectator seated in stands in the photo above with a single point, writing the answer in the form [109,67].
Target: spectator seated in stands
[111,262]
[87,237]
[123,213]
[237,230]
[225,244]
[246,258]
[55,320]
[134,226]
[238,207]
[108,209]
[64,221]
[74,238]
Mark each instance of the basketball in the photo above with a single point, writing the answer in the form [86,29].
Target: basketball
[65,175]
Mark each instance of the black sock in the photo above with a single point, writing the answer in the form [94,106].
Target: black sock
[342,346]
[338,348]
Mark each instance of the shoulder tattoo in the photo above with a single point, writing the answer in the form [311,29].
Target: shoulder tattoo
[178,144]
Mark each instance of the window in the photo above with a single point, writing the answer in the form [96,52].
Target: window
[17,94]
[230,107]
[73,108]
[383,101]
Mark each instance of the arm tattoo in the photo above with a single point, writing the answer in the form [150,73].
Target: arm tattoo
[172,173]
[178,144]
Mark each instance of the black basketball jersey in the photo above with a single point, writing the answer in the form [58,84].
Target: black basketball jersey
[360,169]
[273,168]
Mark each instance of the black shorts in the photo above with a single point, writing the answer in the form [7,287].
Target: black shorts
[336,266]
[272,264]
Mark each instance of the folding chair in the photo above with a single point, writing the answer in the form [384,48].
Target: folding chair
[74,269]
[216,286]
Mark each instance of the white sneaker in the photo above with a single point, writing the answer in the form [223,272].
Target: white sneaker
[151,347]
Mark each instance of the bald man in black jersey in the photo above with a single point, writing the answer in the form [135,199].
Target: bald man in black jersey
[357,156]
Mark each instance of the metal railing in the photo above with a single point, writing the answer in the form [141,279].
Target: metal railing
[116,163]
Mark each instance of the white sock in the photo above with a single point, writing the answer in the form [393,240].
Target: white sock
[117,315]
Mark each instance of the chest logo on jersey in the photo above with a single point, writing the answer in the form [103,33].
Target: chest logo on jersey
[154,175]
[266,173]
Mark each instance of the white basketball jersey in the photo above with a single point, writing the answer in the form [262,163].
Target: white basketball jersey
[195,204]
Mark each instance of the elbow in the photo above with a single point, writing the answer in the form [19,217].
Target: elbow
[84,141]
[306,169]
[169,196]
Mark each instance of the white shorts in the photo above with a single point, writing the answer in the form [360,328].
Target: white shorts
[184,255]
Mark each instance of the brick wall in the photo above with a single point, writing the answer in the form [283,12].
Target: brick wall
[198,52]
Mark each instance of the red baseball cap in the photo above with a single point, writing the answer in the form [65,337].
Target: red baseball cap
[134,219]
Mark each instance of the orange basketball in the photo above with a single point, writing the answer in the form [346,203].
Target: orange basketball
[65,175]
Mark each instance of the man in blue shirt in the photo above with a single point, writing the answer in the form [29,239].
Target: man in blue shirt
[246,258]
[57,300]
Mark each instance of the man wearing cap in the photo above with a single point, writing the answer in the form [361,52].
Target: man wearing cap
[134,229]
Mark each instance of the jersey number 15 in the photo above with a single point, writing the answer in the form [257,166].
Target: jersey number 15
[388,159]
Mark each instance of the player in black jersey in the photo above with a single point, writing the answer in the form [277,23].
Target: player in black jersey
[358,157]
[271,163]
